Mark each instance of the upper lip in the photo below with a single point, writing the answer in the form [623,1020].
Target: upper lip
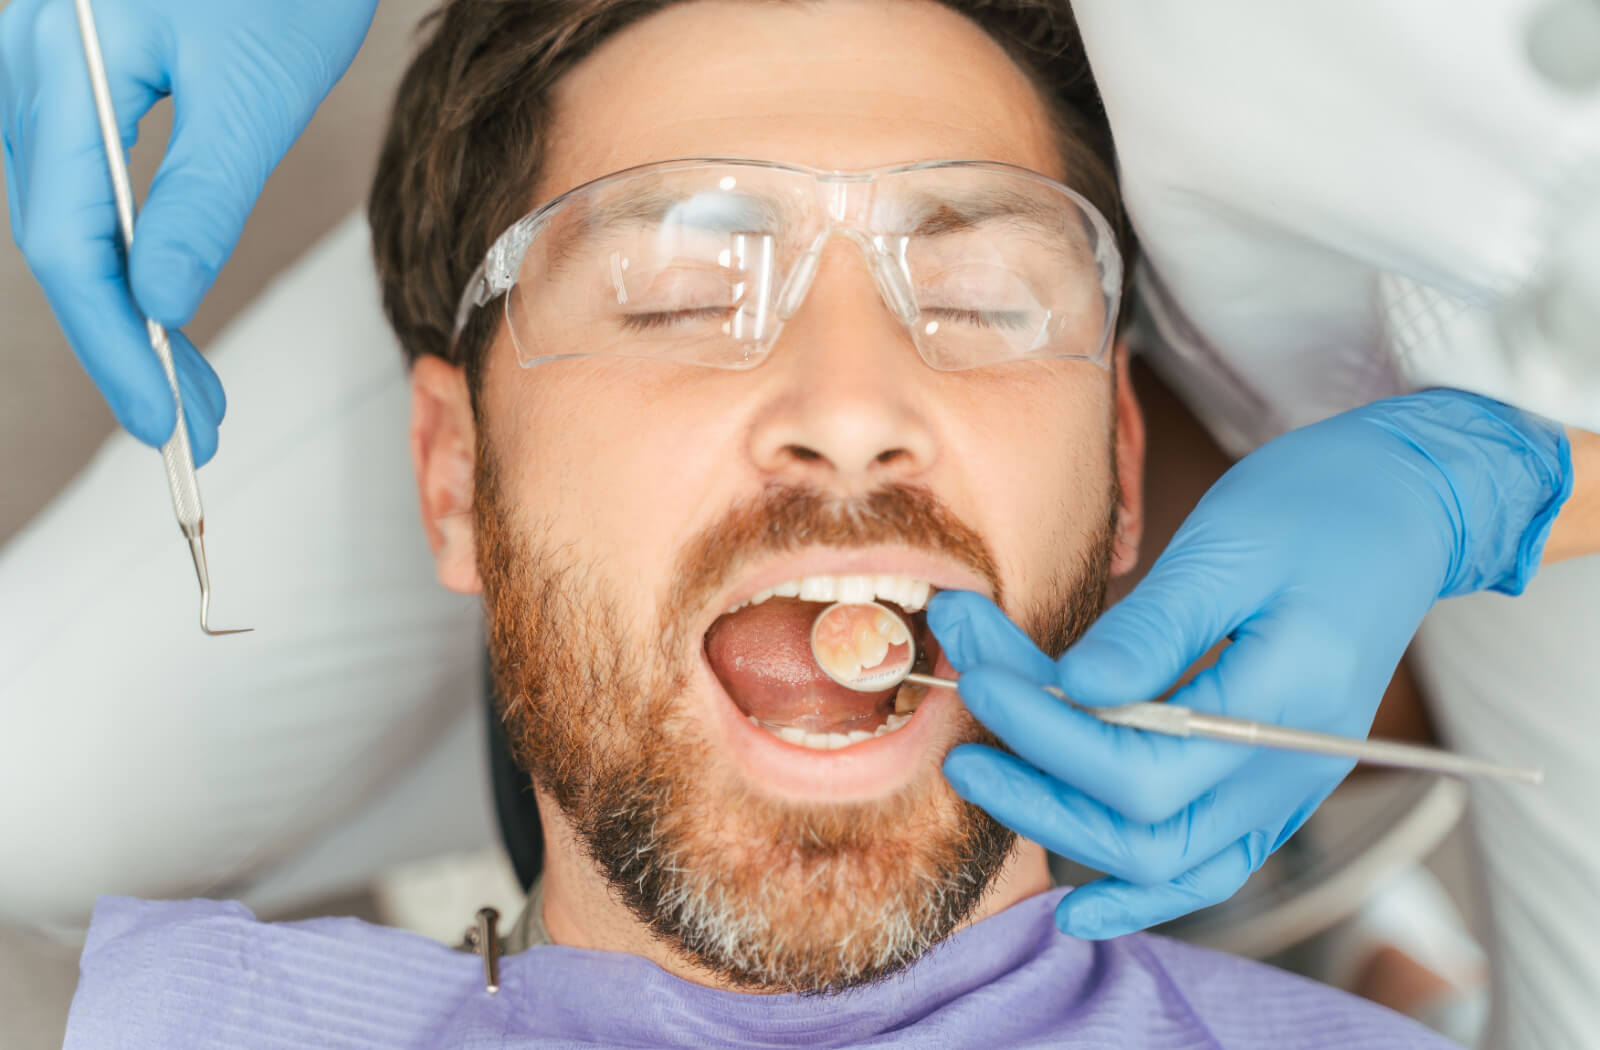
[939,570]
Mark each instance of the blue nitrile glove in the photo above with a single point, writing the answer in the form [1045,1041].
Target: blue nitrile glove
[245,77]
[1318,555]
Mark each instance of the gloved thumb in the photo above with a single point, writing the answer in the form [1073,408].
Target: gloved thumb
[971,631]
[1140,646]
[217,162]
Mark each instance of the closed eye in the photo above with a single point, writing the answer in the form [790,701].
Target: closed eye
[647,320]
[1010,319]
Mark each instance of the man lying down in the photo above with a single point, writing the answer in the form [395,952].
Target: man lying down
[683,407]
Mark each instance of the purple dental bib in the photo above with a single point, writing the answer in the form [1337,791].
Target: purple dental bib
[203,973]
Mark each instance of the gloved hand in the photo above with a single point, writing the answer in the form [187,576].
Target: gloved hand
[245,77]
[1318,555]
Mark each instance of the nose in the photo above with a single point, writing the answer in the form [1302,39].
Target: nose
[848,402]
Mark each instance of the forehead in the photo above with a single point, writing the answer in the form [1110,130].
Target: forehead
[831,84]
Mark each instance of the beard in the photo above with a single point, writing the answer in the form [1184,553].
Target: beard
[765,895]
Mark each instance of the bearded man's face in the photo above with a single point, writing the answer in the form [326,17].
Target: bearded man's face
[653,538]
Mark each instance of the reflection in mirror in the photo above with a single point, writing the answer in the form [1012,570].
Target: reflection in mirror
[863,646]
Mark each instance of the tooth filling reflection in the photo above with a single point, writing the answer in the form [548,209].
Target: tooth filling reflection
[865,644]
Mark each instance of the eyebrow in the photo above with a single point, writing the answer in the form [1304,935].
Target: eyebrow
[932,216]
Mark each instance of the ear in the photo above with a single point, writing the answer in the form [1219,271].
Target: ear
[443,453]
[1129,455]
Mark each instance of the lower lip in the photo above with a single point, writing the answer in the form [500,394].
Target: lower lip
[870,770]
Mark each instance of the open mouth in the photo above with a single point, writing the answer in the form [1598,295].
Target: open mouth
[761,651]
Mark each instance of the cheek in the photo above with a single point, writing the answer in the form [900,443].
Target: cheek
[1037,456]
[613,467]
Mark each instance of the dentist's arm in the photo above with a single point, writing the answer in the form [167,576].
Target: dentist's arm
[1318,556]
[1577,528]
[245,77]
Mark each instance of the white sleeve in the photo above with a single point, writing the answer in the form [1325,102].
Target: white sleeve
[139,756]
[1340,200]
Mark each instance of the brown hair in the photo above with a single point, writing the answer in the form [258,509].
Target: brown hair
[466,135]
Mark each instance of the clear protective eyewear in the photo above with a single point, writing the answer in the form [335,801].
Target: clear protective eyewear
[702,261]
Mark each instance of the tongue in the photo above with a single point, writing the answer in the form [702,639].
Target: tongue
[762,655]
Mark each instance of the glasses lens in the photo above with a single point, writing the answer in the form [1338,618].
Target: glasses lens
[676,266]
[1002,267]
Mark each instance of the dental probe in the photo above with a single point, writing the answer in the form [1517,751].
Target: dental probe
[1153,717]
[175,454]
[1177,720]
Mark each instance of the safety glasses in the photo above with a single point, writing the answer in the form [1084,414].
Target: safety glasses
[702,261]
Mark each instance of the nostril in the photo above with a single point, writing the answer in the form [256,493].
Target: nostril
[805,455]
[890,455]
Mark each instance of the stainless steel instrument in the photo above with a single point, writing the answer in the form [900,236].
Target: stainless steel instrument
[175,454]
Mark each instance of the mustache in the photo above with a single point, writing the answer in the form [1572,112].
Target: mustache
[783,519]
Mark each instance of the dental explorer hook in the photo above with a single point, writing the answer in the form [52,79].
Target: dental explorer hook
[175,454]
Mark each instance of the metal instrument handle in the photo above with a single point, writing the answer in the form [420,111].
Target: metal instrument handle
[176,454]
[1176,720]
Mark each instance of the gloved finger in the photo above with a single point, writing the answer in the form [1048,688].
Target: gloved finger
[18,91]
[216,164]
[201,375]
[1146,777]
[52,124]
[113,345]
[14,186]
[1111,908]
[16,99]
[1289,665]
[1272,790]
[202,428]
[243,89]
[202,398]
[69,237]
[971,630]
[1137,648]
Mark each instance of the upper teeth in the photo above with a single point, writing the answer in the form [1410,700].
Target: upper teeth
[908,593]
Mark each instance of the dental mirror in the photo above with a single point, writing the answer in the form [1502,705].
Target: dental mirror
[863,646]
[868,647]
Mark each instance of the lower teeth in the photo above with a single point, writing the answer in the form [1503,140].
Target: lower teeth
[830,741]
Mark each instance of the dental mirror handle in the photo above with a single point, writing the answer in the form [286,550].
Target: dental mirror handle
[1176,720]
[176,454]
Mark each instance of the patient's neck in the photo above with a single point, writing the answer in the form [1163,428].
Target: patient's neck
[582,911]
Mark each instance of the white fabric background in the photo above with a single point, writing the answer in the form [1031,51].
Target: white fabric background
[1341,200]
[140,756]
